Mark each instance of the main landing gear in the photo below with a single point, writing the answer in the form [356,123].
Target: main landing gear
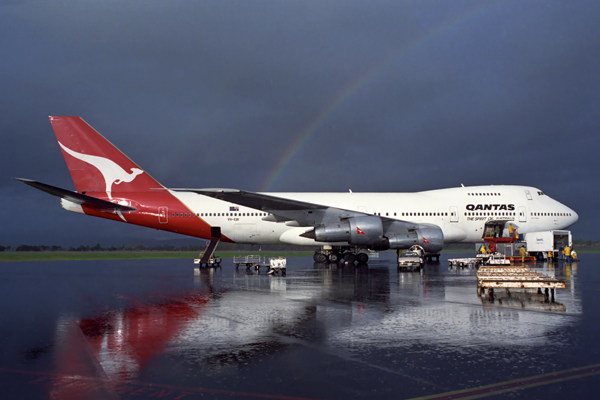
[334,255]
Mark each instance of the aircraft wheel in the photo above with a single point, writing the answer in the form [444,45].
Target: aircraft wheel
[320,257]
[349,257]
[362,258]
[334,257]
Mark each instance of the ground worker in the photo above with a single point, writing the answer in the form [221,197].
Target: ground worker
[523,253]
[573,255]
[482,249]
[567,253]
[561,252]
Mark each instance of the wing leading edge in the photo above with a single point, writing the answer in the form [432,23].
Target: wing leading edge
[302,213]
[294,212]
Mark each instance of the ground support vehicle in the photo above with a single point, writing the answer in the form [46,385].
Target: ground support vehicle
[208,262]
[277,265]
[541,244]
[455,263]
[514,277]
[250,261]
[207,257]
[410,260]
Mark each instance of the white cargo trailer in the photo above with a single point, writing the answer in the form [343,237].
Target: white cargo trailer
[539,244]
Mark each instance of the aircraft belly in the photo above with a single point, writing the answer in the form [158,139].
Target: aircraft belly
[245,233]
[453,234]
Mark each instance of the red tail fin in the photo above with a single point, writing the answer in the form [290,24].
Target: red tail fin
[95,164]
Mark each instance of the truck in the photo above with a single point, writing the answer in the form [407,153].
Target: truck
[540,244]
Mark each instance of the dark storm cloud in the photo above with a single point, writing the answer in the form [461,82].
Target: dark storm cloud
[425,94]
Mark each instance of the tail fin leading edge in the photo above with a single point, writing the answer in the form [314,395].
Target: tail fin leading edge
[95,164]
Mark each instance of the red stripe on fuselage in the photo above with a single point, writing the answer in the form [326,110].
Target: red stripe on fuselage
[147,213]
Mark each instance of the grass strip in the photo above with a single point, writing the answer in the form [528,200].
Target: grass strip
[123,255]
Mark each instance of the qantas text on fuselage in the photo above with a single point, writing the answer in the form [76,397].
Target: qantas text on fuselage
[489,207]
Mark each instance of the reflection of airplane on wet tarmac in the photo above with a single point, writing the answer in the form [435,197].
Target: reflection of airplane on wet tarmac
[232,325]
[110,185]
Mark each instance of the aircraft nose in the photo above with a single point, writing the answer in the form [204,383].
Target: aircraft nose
[574,216]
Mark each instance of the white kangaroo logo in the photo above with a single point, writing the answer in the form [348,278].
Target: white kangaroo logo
[110,170]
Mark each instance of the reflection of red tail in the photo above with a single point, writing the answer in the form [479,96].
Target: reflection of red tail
[73,359]
[122,343]
[128,341]
[95,164]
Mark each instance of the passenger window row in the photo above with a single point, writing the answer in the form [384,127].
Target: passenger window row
[489,214]
[219,214]
[387,214]
[484,194]
[540,214]
[417,214]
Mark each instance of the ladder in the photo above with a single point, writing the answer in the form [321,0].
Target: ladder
[206,257]
[209,251]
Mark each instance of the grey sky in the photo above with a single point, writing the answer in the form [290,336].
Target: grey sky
[387,95]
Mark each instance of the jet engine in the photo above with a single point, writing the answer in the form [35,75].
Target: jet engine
[364,231]
[368,231]
[428,236]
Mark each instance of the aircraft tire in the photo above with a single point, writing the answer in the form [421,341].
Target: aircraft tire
[362,258]
[320,257]
[334,257]
[349,257]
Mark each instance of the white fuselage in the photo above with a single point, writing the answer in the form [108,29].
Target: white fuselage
[460,212]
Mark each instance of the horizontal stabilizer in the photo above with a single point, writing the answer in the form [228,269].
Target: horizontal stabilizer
[77,198]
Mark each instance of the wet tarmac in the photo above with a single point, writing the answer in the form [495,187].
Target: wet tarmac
[150,329]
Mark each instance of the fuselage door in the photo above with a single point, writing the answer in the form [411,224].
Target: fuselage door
[163,215]
[522,214]
[528,194]
[453,214]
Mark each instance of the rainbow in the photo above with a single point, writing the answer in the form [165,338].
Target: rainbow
[346,92]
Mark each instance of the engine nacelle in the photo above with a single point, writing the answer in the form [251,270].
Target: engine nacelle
[367,231]
[337,232]
[403,240]
[430,237]
[358,231]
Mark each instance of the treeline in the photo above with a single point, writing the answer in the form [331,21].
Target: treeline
[585,243]
[225,247]
[99,247]
[165,247]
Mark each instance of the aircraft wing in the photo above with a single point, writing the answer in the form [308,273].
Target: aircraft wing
[77,198]
[282,209]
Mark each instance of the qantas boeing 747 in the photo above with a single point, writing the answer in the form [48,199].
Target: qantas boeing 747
[343,225]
